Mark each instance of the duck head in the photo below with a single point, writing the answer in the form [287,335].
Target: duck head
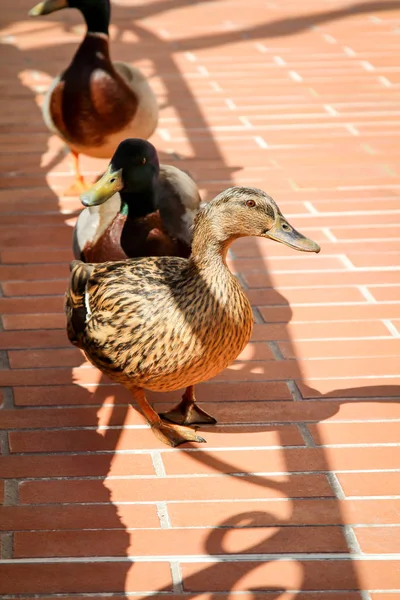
[133,169]
[95,12]
[239,212]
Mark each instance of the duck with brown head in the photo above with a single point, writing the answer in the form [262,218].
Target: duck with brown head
[168,323]
[95,103]
[138,208]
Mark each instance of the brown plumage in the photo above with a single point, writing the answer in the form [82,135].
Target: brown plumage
[137,208]
[129,238]
[92,100]
[96,103]
[167,323]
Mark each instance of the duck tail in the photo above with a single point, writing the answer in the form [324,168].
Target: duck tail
[75,306]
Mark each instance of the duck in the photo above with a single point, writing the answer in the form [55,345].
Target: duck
[168,323]
[96,103]
[137,208]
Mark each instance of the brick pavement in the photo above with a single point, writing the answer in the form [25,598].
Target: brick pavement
[297,493]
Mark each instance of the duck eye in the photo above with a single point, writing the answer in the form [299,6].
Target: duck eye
[286,227]
[250,203]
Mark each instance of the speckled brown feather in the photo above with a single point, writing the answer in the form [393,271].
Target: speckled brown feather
[158,323]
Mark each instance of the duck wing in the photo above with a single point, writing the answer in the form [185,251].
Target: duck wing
[76,309]
[178,201]
[146,115]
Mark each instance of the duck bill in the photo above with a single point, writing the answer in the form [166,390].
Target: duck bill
[47,7]
[284,233]
[104,188]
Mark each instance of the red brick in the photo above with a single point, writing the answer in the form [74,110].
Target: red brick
[374,260]
[53,376]
[59,395]
[385,294]
[356,433]
[130,439]
[370,484]
[341,348]
[31,305]
[319,331]
[282,264]
[264,297]
[331,313]
[32,339]
[40,321]
[266,412]
[270,332]
[90,465]
[280,512]
[86,577]
[383,596]
[279,370]
[350,367]
[292,574]
[32,220]
[32,418]
[35,288]
[256,351]
[225,412]
[351,388]
[340,278]
[49,395]
[25,359]
[378,540]
[32,272]
[176,542]
[311,369]
[155,490]
[281,460]
[35,256]
[75,516]
[251,247]
[349,206]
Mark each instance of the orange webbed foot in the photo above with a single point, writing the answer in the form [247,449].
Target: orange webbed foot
[175,435]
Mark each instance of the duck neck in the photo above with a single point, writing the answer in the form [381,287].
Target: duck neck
[210,247]
[97,19]
[138,204]
[92,53]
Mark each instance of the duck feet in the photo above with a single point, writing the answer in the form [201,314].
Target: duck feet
[79,186]
[187,412]
[174,435]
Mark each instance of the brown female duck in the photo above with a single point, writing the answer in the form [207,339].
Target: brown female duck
[137,208]
[167,323]
[95,103]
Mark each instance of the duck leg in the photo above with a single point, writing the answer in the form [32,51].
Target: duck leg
[187,412]
[79,184]
[172,435]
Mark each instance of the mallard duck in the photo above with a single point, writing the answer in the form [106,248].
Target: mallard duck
[95,103]
[137,208]
[165,323]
